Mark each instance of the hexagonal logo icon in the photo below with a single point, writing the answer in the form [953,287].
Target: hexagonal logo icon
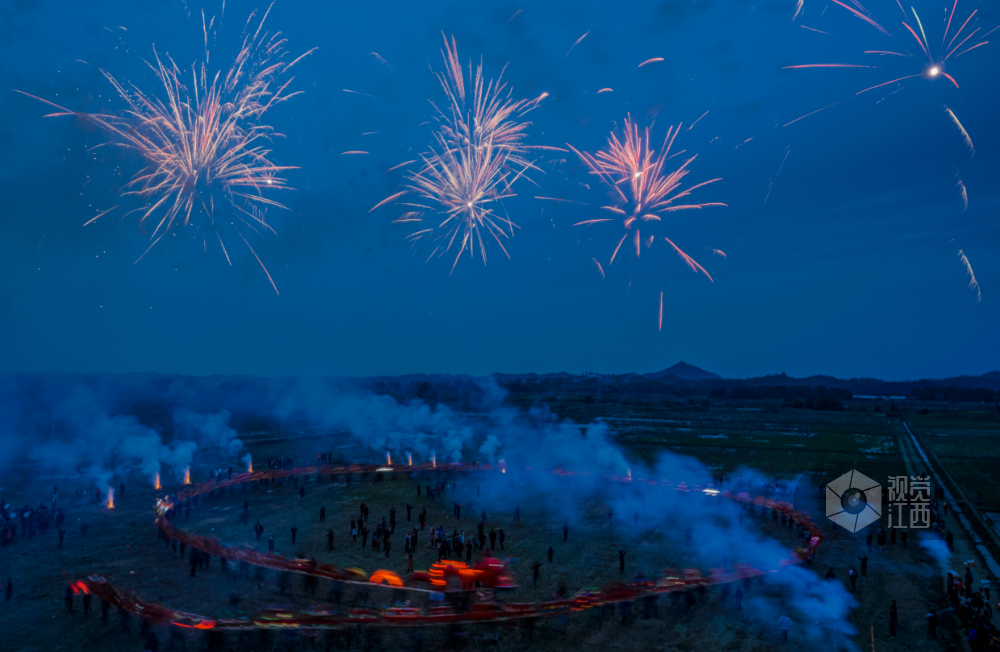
[853,501]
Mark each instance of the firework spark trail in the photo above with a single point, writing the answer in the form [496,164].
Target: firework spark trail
[719,252]
[599,268]
[973,283]
[965,134]
[798,9]
[964,195]
[697,121]
[575,44]
[203,144]
[477,155]
[649,61]
[933,59]
[605,90]
[770,185]
[660,328]
[563,201]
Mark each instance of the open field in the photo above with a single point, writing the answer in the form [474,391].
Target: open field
[123,544]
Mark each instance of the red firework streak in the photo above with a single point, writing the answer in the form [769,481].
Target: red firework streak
[489,572]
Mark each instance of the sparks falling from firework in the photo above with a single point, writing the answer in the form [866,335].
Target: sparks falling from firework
[963,194]
[929,57]
[973,283]
[477,155]
[205,148]
[661,311]
[643,188]
[961,129]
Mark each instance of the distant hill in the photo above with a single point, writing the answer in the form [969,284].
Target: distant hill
[684,371]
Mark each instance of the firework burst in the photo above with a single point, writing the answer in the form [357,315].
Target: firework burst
[477,154]
[928,58]
[643,189]
[206,152]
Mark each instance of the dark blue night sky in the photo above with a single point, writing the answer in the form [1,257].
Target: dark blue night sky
[849,269]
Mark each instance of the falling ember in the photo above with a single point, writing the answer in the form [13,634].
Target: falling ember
[409,459]
[661,310]
[187,475]
[111,498]
[965,195]
[156,482]
[973,283]
[388,457]
[965,134]
[649,61]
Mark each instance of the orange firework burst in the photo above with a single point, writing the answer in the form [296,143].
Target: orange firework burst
[929,57]
[645,191]
[477,155]
[203,142]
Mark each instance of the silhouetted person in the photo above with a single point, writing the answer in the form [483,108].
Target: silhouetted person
[259,529]
[8,589]
[69,598]
[302,492]
[295,531]
[932,623]
[517,513]
[893,619]
[322,514]
[329,539]
[551,552]
[535,568]
[270,544]
[565,532]
[121,489]
[86,605]
[621,561]
[62,534]
[105,608]
[501,537]
[864,565]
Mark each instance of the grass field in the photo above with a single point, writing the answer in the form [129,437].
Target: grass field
[777,441]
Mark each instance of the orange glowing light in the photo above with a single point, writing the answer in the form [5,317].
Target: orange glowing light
[434,461]
[388,457]
[156,482]
[111,498]
[187,475]
[386,576]
[409,459]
